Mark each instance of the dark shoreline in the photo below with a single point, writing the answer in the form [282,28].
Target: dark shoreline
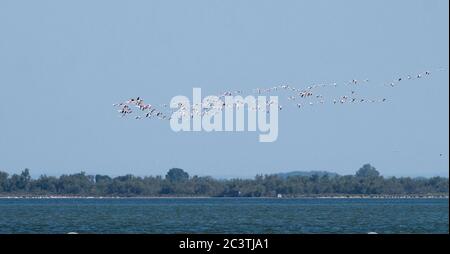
[419,196]
[365,183]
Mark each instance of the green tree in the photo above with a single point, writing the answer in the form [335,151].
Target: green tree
[3,181]
[45,184]
[367,171]
[177,175]
[78,184]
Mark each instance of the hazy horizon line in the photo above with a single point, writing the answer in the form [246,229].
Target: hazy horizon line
[216,176]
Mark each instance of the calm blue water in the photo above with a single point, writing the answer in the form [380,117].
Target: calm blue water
[224,215]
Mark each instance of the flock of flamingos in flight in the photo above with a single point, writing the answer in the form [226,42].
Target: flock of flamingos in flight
[300,97]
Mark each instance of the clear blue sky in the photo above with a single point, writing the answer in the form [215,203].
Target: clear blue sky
[64,63]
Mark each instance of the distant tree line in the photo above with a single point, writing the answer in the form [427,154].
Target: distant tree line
[177,182]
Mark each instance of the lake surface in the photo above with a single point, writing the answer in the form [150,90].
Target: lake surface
[224,215]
